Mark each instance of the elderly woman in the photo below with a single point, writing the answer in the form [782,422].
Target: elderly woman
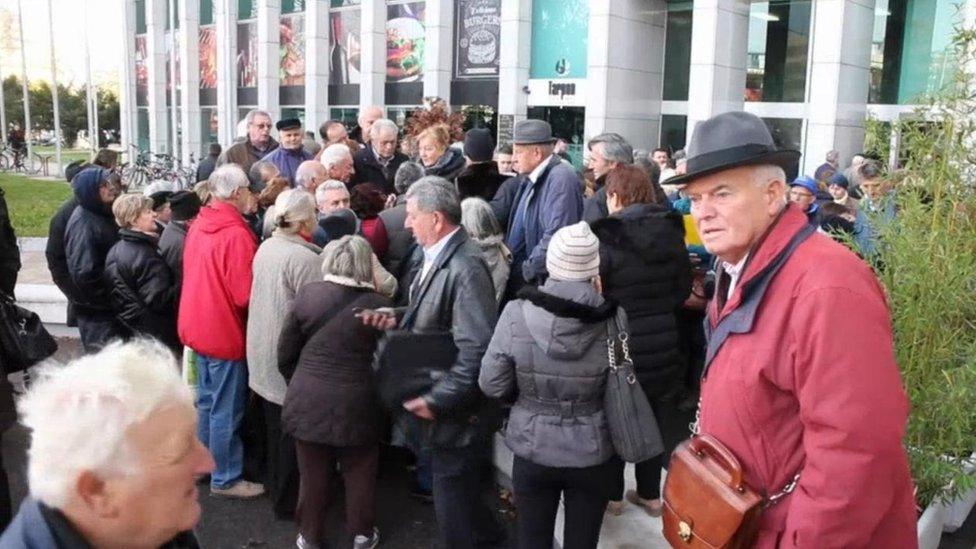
[143,290]
[284,263]
[645,268]
[331,409]
[480,222]
[438,158]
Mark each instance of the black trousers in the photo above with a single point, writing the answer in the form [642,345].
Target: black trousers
[282,474]
[98,331]
[318,467]
[464,521]
[585,491]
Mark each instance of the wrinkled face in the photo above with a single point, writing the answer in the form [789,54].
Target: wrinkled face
[318,177]
[385,143]
[259,130]
[160,500]
[334,200]
[165,214]
[291,139]
[873,188]
[660,158]
[526,158]
[425,226]
[733,208]
[336,133]
[146,222]
[802,197]
[836,191]
[504,162]
[342,170]
[367,118]
[598,163]
[430,150]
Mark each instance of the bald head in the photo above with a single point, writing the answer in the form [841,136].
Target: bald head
[367,116]
[309,174]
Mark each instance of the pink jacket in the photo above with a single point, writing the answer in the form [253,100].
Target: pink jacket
[813,387]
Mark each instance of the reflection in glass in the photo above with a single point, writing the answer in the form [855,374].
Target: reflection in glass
[677,51]
[673,131]
[779,35]
[787,134]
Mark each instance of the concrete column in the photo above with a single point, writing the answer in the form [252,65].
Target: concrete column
[269,59]
[128,112]
[317,31]
[513,64]
[372,90]
[439,49]
[225,18]
[625,69]
[717,79]
[190,78]
[156,15]
[840,69]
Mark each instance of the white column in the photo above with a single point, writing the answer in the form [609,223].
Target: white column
[840,70]
[372,84]
[269,59]
[225,17]
[625,66]
[717,79]
[513,63]
[317,29]
[190,78]
[128,114]
[156,66]
[439,49]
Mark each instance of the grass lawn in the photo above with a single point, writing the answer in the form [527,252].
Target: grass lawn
[32,202]
[67,155]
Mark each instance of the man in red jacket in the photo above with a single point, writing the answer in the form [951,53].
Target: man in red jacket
[800,379]
[217,260]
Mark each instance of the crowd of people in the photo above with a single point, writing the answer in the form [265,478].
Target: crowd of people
[295,267]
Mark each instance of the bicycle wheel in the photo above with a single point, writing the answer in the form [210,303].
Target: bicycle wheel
[4,163]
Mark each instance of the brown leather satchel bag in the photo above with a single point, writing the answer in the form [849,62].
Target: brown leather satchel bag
[706,502]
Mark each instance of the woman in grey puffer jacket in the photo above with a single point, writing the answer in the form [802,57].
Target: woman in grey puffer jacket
[551,344]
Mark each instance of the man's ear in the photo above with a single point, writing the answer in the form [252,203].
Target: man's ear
[95,494]
[775,196]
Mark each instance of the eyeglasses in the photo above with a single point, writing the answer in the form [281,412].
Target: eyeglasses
[796,195]
[262,126]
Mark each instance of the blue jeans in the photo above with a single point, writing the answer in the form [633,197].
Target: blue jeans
[221,396]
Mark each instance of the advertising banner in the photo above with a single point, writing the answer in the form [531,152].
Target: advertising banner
[208,58]
[344,47]
[247,55]
[405,42]
[559,38]
[477,28]
[292,50]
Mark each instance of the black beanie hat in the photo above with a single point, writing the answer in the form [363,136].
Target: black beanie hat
[185,205]
[160,198]
[478,145]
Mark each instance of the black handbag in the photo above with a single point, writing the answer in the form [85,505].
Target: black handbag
[24,341]
[410,363]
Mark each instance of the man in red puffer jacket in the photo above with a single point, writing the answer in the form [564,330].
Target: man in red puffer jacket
[217,260]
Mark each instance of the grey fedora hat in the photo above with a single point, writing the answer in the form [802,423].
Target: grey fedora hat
[730,140]
[532,132]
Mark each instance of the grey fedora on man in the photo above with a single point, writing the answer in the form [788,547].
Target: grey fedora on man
[730,140]
[532,132]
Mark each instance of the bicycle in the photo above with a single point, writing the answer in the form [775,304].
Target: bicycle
[12,160]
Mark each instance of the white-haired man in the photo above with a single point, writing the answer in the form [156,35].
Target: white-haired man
[256,146]
[367,116]
[335,219]
[217,259]
[114,457]
[338,163]
[309,175]
[379,160]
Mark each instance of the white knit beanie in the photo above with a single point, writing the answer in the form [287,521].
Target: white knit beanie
[574,254]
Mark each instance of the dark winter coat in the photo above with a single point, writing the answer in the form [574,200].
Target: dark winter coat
[368,169]
[325,353]
[644,267]
[9,252]
[448,166]
[244,154]
[143,291]
[206,167]
[57,257]
[501,204]
[171,248]
[481,180]
[90,234]
[401,240]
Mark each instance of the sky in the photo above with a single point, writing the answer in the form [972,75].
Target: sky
[104,32]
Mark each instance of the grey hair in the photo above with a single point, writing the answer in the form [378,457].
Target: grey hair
[305,172]
[832,156]
[383,124]
[294,209]
[435,194]
[406,175]
[349,257]
[326,186]
[254,174]
[225,180]
[613,148]
[478,219]
[253,113]
[333,154]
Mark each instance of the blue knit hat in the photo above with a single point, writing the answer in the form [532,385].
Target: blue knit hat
[807,183]
[840,180]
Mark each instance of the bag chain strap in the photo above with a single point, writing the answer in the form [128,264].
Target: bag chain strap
[769,501]
[625,349]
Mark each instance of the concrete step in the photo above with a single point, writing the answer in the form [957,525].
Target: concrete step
[50,304]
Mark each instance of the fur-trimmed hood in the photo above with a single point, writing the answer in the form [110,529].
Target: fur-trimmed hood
[564,318]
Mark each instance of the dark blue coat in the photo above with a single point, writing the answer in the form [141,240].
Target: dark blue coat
[90,234]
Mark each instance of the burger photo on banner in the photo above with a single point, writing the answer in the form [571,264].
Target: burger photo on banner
[292,51]
[208,57]
[405,42]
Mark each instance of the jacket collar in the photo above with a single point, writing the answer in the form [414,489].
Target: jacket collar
[553,161]
[566,308]
[455,242]
[138,236]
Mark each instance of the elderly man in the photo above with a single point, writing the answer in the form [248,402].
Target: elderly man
[394,219]
[332,132]
[828,168]
[550,197]
[803,193]
[217,259]
[379,160]
[607,151]
[335,219]
[309,175]
[367,116]
[451,293]
[113,459]
[256,146]
[338,163]
[811,417]
[291,153]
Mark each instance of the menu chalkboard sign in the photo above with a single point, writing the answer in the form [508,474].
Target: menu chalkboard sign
[477,31]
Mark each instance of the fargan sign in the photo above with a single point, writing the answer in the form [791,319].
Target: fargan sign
[557,92]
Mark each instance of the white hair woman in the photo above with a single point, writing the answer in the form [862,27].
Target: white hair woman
[144,290]
[114,456]
[482,226]
[331,408]
[284,263]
